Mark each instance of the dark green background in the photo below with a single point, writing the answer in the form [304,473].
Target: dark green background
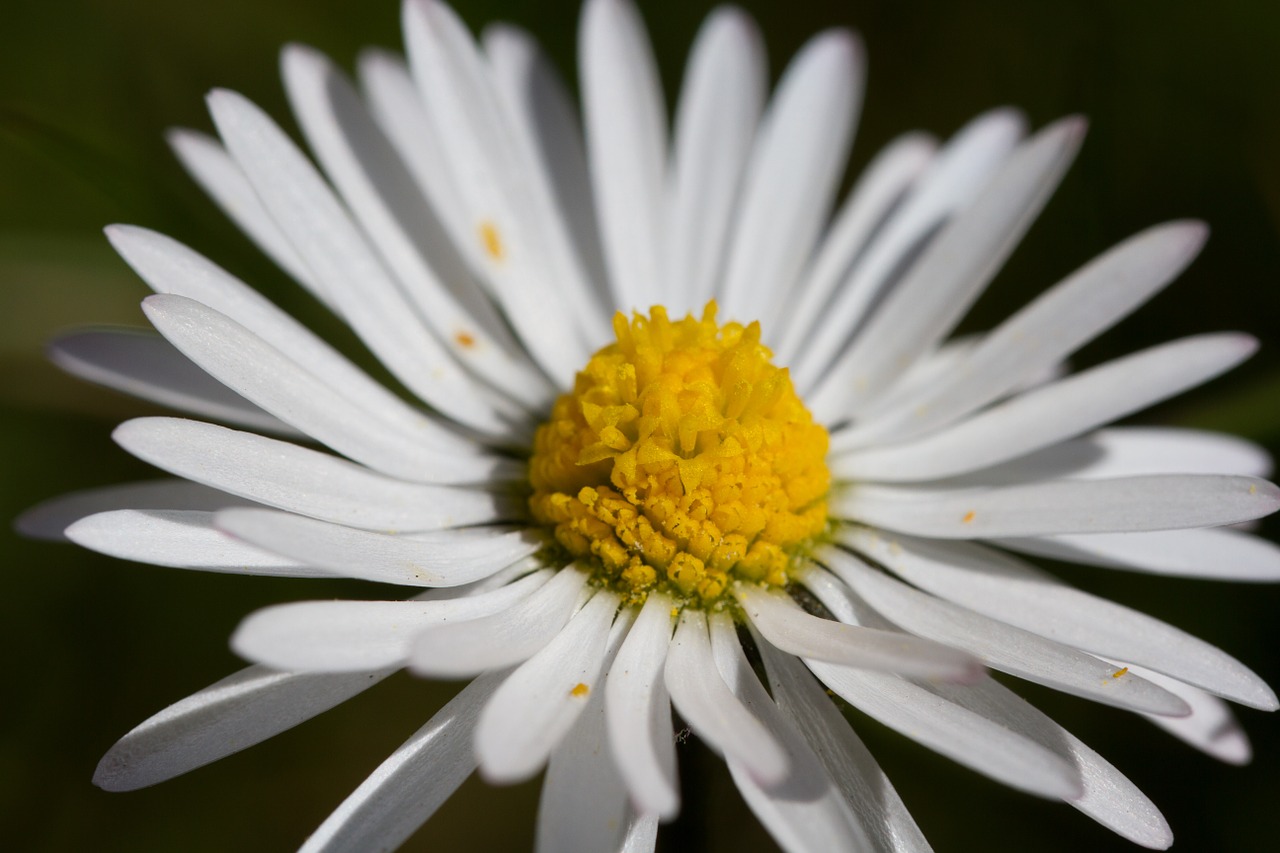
[1183,98]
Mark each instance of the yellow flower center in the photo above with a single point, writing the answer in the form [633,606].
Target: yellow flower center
[683,459]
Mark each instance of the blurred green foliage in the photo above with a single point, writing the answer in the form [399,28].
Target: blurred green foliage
[1183,101]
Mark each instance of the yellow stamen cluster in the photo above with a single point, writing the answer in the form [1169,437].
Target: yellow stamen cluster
[681,460]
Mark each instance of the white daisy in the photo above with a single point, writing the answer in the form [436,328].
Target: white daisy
[782,494]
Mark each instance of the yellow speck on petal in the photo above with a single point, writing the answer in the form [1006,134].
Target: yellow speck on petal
[969,517]
[491,239]
[682,460]
[464,339]
[580,690]
[1253,489]
[1120,672]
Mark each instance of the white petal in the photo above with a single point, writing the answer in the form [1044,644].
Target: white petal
[503,231]
[939,288]
[1006,589]
[434,558]
[1054,412]
[1108,797]
[805,811]
[539,702]
[237,712]
[259,371]
[48,520]
[415,780]
[793,174]
[1172,450]
[954,731]
[167,266]
[707,704]
[181,539]
[342,261]
[302,480]
[378,188]
[865,786]
[626,128]
[1068,315]
[1002,646]
[209,163]
[147,366]
[716,116]
[584,805]
[544,120]
[638,712]
[1211,727]
[1220,554]
[1129,504]
[467,648]
[958,173]
[346,636]
[788,627]
[880,186]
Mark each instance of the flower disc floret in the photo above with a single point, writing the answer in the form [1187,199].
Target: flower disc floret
[682,460]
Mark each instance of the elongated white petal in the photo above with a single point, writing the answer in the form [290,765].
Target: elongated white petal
[626,128]
[1057,411]
[706,703]
[806,811]
[167,266]
[434,558]
[147,366]
[863,784]
[377,186]
[1219,554]
[1006,589]
[1211,727]
[235,713]
[720,103]
[208,162]
[638,712]
[584,803]
[48,520]
[954,731]
[794,171]
[345,636]
[305,208]
[1107,796]
[255,368]
[1128,504]
[1002,646]
[503,639]
[538,704]
[411,784]
[1172,450]
[1054,325]
[545,122]
[302,480]
[181,539]
[880,186]
[959,173]
[502,229]
[943,283]
[792,630]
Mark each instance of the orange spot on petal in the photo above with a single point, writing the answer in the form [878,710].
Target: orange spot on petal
[580,689]
[969,517]
[491,239]
[1120,672]
[464,339]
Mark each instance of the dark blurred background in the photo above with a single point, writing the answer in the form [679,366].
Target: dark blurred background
[1183,100]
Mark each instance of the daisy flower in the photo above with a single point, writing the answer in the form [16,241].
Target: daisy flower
[667,430]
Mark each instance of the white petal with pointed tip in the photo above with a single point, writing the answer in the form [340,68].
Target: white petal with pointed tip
[1211,727]
[180,539]
[788,627]
[235,713]
[48,520]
